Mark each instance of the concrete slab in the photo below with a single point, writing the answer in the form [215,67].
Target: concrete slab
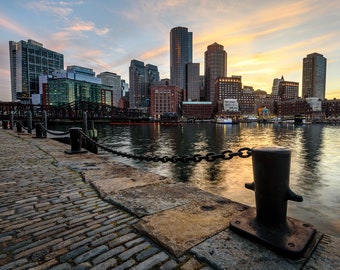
[160,196]
[227,250]
[181,228]
[326,256]
[116,177]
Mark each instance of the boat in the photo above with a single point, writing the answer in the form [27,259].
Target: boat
[224,120]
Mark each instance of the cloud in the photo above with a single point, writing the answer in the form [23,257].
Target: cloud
[12,27]
[61,9]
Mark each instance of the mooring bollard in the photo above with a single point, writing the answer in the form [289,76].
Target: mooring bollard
[18,126]
[39,131]
[11,120]
[268,223]
[29,121]
[4,124]
[76,141]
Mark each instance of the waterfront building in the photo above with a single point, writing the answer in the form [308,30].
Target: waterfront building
[288,90]
[75,84]
[314,76]
[230,105]
[247,104]
[165,99]
[180,55]
[28,60]
[114,82]
[79,73]
[292,107]
[215,66]
[141,78]
[331,109]
[228,87]
[192,91]
[197,109]
[275,87]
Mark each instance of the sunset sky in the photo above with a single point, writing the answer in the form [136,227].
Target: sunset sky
[264,39]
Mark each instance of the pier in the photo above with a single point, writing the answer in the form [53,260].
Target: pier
[82,211]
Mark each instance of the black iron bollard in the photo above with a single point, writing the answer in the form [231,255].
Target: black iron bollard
[76,141]
[29,121]
[39,131]
[18,126]
[268,223]
[4,124]
[11,120]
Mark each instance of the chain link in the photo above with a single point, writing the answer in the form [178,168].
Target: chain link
[244,152]
[53,133]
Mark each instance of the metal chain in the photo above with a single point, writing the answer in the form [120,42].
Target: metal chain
[53,133]
[244,152]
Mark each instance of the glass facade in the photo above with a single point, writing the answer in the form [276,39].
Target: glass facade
[314,76]
[64,91]
[28,60]
[180,55]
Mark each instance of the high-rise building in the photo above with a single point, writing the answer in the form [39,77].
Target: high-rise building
[113,80]
[314,76]
[215,64]
[140,79]
[180,55]
[192,92]
[28,60]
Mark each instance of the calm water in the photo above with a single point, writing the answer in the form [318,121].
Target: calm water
[315,161]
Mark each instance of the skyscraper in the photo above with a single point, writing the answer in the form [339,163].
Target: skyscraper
[140,78]
[28,60]
[180,55]
[215,62]
[314,76]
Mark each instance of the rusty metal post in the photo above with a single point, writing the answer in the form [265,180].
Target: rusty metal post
[76,142]
[268,223]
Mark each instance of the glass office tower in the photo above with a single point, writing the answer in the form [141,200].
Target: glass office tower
[314,76]
[180,55]
[28,60]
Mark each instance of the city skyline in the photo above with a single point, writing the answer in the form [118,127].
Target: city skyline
[263,40]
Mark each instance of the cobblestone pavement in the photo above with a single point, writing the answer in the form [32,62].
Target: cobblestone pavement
[51,219]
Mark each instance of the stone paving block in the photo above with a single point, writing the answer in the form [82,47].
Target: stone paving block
[73,253]
[152,261]
[181,228]
[153,198]
[106,265]
[105,256]
[122,239]
[90,254]
[132,251]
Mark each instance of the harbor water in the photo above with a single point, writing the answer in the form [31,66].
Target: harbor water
[314,172]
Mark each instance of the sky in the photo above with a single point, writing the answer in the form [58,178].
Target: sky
[264,39]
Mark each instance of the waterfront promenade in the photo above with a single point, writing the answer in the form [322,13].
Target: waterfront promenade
[60,211]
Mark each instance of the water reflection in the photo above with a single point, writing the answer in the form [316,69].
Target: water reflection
[314,161]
